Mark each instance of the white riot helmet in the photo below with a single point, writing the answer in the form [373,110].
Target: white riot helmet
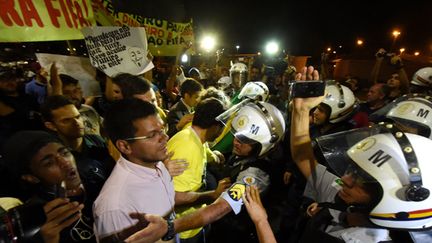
[259,122]
[414,112]
[238,74]
[224,83]
[255,90]
[423,77]
[341,101]
[397,162]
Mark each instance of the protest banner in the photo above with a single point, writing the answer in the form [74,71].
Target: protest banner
[164,38]
[79,68]
[115,50]
[27,20]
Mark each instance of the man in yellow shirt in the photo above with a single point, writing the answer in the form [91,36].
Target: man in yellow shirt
[189,144]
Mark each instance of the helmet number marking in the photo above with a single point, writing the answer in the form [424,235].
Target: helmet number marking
[423,113]
[379,158]
[254,129]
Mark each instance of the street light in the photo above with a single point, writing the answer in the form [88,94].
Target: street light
[237,47]
[402,50]
[396,34]
[184,58]
[329,49]
[359,42]
[416,53]
[208,43]
[272,48]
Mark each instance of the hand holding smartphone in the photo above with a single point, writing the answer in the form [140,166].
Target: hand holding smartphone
[306,89]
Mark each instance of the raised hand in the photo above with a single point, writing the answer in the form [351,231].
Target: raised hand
[223,184]
[307,104]
[253,204]
[175,167]
[184,120]
[60,214]
[307,73]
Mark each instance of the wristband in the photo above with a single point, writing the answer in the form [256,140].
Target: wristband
[170,233]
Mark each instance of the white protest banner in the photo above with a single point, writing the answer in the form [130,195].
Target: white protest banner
[79,68]
[115,50]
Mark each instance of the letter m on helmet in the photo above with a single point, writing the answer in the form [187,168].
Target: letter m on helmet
[254,129]
[379,158]
[423,113]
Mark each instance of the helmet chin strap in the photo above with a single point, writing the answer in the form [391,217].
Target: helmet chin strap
[342,206]
[415,190]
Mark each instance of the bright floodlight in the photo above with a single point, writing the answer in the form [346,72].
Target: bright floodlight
[272,48]
[184,58]
[208,43]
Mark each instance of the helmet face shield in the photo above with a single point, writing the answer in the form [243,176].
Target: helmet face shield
[238,74]
[238,79]
[356,174]
[242,138]
[331,149]
[397,162]
[255,122]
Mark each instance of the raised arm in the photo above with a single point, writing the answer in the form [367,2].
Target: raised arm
[377,66]
[301,147]
[258,215]
[183,198]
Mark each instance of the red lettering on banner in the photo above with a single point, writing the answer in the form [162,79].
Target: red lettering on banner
[72,13]
[7,9]
[65,13]
[153,31]
[80,15]
[53,13]
[29,12]
[85,8]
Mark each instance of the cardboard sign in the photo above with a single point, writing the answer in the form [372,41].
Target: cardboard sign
[77,67]
[115,50]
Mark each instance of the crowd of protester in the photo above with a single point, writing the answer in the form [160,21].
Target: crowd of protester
[192,145]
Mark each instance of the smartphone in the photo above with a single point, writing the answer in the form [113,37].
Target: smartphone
[305,89]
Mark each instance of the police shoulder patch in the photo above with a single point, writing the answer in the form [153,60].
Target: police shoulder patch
[249,180]
[236,191]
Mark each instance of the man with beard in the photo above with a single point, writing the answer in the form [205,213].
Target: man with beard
[72,90]
[139,182]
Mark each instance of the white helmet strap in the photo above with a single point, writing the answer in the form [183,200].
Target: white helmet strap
[415,191]
[270,122]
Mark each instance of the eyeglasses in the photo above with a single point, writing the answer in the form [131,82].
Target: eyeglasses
[153,134]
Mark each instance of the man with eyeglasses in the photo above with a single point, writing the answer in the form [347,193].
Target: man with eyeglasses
[140,181]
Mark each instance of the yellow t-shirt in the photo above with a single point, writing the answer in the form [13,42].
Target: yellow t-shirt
[187,145]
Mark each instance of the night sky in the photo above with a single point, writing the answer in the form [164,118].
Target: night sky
[307,28]
[301,27]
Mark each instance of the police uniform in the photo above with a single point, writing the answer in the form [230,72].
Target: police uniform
[323,186]
[237,226]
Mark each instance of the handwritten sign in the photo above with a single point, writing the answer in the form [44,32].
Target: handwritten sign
[116,50]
